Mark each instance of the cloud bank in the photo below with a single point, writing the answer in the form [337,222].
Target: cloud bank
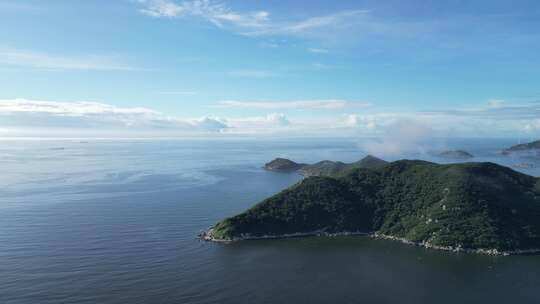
[24,117]
[324,104]
[39,60]
[36,115]
[398,131]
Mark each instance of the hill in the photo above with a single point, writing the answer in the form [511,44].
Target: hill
[283,165]
[528,149]
[322,168]
[456,154]
[480,207]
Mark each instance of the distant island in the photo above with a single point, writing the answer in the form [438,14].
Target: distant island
[524,165]
[283,165]
[322,168]
[531,149]
[468,207]
[456,154]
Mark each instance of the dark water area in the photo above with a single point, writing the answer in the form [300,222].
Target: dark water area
[117,222]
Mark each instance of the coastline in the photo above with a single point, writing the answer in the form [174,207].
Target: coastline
[207,236]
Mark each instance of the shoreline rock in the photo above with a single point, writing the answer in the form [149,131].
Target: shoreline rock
[207,236]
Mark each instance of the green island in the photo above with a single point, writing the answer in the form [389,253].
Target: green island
[531,149]
[469,207]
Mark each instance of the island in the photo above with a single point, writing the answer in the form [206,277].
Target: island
[456,154]
[525,165]
[531,149]
[283,165]
[322,168]
[466,207]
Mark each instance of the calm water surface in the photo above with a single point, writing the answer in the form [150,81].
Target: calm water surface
[116,222]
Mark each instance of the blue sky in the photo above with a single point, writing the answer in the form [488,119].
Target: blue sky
[351,68]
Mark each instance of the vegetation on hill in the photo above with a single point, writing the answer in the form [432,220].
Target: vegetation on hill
[322,168]
[282,165]
[457,154]
[529,149]
[468,205]
[369,162]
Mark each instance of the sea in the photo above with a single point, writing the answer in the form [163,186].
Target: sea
[116,221]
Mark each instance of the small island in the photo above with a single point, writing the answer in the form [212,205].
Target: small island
[524,165]
[531,149]
[467,207]
[322,168]
[283,165]
[456,154]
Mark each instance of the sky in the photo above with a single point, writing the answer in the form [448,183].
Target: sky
[171,68]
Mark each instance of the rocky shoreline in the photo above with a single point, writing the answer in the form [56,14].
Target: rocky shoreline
[207,236]
[486,251]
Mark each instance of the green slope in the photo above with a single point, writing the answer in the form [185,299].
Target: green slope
[332,168]
[470,205]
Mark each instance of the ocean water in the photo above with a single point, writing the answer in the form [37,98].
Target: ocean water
[116,221]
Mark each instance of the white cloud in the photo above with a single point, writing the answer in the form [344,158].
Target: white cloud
[531,126]
[269,44]
[495,103]
[215,12]
[336,20]
[252,73]
[271,123]
[496,109]
[328,104]
[209,124]
[400,137]
[502,119]
[318,51]
[364,122]
[402,131]
[35,114]
[177,93]
[31,59]
[345,26]
[78,108]
[162,8]
[255,23]
[278,118]
[317,66]
[24,117]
